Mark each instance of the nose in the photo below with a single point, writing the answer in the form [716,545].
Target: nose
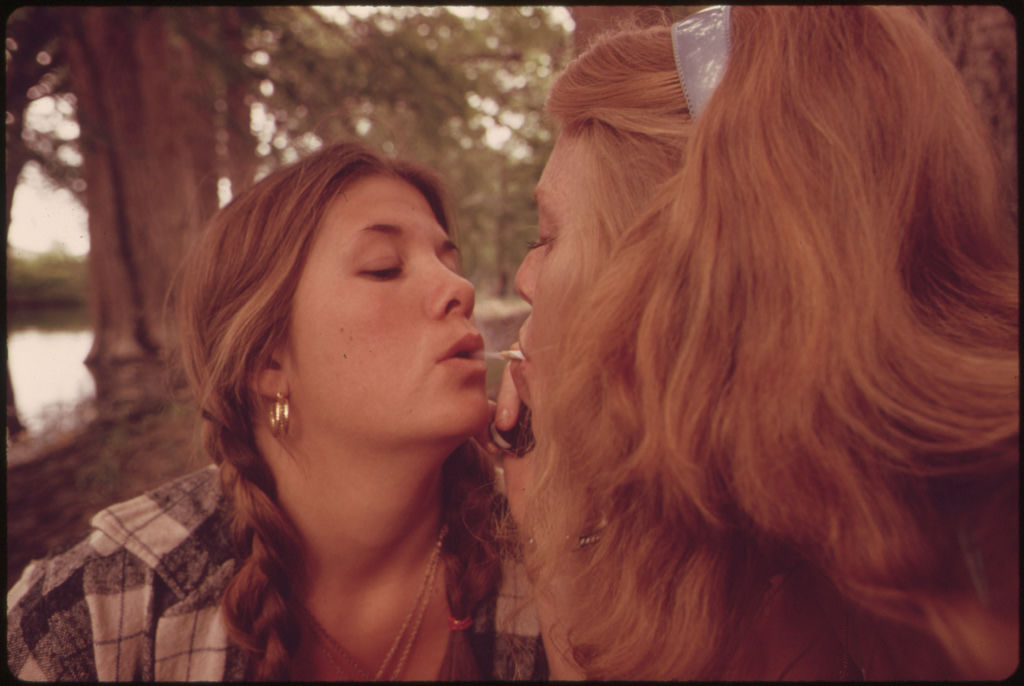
[457,295]
[526,277]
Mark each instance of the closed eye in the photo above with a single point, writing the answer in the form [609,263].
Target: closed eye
[384,274]
[540,243]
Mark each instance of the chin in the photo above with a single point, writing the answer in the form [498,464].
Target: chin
[477,420]
[468,420]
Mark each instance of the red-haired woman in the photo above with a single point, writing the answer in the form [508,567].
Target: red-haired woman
[772,360]
[347,528]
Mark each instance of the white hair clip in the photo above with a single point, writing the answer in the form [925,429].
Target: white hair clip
[700,44]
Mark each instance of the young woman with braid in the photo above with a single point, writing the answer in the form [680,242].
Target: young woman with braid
[772,360]
[346,530]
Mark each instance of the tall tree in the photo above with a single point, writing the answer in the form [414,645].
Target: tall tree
[148,144]
[172,101]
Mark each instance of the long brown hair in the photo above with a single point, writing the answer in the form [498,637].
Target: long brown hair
[234,302]
[795,343]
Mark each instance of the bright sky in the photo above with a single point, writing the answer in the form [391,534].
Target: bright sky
[44,217]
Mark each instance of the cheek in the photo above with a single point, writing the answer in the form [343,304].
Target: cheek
[545,331]
[342,340]
[552,294]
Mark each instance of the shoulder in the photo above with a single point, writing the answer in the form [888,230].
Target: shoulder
[179,530]
[144,557]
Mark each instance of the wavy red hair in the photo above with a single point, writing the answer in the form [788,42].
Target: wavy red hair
[794,347]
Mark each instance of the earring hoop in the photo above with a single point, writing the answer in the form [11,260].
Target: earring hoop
[279,416]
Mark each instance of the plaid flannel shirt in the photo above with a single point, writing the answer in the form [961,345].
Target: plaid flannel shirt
[139,600]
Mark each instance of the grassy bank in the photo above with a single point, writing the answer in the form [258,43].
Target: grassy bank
[49,280]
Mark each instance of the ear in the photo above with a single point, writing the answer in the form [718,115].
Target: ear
[272,379]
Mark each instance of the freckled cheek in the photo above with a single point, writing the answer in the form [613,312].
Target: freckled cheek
[366,336]
[354,333]
[370,345]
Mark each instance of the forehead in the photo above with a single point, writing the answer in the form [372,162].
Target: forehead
[561,181]
[381,200]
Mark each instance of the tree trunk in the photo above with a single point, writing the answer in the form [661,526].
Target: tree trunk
[14,426]
[148,146]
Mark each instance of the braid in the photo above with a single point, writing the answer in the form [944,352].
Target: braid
[257,600]
[471,555]
[234,298]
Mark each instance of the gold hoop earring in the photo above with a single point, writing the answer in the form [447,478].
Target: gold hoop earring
[279,416]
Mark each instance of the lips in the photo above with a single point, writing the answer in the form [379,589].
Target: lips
[469,347]
[524,335]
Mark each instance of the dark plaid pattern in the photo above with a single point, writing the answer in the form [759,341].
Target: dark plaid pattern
[139,600]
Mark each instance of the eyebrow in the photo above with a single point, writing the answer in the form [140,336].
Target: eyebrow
[389,229]
[396,231]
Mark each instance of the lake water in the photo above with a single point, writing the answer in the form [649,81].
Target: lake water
[48,372]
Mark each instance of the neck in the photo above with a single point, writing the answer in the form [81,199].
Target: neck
[363,516]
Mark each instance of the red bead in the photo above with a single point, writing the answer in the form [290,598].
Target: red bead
[459,624]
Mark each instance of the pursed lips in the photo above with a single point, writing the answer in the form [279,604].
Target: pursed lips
[469,347]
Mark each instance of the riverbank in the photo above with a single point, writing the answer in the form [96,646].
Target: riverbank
[53,279]
[60,428]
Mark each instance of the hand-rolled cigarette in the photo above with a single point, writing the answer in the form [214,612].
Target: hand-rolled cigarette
[509,355]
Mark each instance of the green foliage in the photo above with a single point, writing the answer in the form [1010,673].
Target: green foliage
[460,89]
[36,67]
[52,279]
[430,83]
